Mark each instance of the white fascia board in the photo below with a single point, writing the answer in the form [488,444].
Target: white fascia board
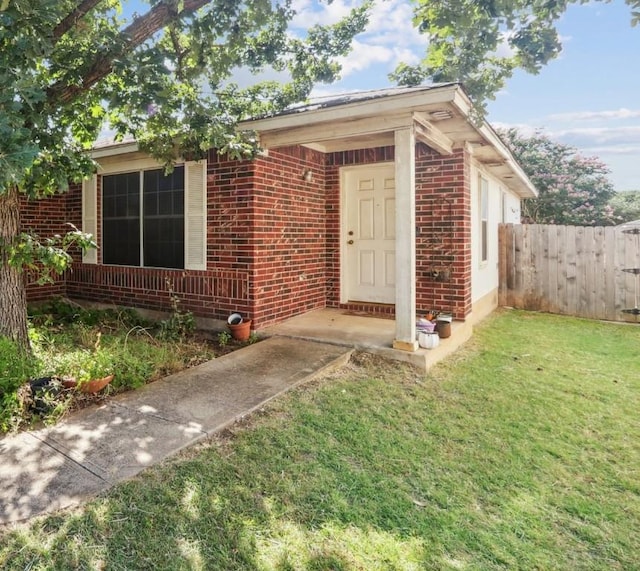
[115,149]
[528,191]
[526,188]
[357,109]
[330,131]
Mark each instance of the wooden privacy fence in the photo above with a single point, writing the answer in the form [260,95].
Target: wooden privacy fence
[573,270]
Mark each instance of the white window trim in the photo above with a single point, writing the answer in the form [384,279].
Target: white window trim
[483,219]
[195,211]
[89,216]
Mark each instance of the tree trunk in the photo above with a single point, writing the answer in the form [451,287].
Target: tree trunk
[13,296]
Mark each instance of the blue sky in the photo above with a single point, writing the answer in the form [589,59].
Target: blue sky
[589,97]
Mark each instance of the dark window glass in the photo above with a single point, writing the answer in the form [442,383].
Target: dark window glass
[163,198]
[121,219]
[162,219]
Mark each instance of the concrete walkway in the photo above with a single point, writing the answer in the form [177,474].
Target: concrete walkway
[44,470]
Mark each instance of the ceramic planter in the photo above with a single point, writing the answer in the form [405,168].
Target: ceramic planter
[93,386]
[240,331]
[428,340]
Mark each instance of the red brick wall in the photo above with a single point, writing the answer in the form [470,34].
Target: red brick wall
[443,238]
[443,220]
[205,293]
[46,218]
[273,239]
[229,233]
[215,293]
[266,254]
[289,234]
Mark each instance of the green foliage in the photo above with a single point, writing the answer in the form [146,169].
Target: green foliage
[85,344]
[61,311]
[16,367]
[626,206]
[573,190]
[223,338]
[467,40]
[520,452]
[69,69]
[83,365]
[48,255]
[135,364]
[163,78]
[179,323]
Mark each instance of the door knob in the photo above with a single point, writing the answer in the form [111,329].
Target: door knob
[350,242]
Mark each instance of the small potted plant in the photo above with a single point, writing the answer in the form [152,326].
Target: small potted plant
[94,373]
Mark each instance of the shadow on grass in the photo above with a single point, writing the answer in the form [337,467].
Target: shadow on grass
[506,459]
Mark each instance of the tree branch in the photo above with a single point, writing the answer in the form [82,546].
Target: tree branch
[140,30]
[72,19]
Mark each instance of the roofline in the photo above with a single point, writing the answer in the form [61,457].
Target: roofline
[452,94]
[355,109]
[493,137]
[489,133]
[464,105]
[113,149]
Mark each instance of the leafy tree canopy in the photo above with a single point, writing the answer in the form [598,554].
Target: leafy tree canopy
[626,206]
[573,189]
[68,66]
[482,42]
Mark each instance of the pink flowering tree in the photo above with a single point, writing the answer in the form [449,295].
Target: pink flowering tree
[573,189]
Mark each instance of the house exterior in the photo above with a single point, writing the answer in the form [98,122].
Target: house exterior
[386,202]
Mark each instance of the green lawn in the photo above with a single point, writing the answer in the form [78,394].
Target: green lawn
[522,451]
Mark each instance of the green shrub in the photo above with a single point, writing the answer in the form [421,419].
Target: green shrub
[71,341]
[177,326]
[223,338]
[59,311]
[16,367]
[132,369]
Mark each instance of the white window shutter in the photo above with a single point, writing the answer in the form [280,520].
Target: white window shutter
[89,215]
[195,205]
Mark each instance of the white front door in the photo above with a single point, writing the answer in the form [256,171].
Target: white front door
[369,233]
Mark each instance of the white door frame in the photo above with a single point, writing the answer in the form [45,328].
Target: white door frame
[344,171]
[405,179]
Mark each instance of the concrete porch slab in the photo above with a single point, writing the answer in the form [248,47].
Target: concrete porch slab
[366,333]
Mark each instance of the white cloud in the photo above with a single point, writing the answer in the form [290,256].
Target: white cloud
[622,150]
[599,135]
[390,37]
[583,138]
[310,13]
[363,56]
[621,113]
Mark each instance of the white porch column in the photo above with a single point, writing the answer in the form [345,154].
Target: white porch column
[405,153]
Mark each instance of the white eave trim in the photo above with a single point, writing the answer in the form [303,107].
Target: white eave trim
[390,104]
[528,190]
[524,186]
[115,149]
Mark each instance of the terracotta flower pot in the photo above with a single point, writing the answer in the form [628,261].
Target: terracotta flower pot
[92,386]
[241,331]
